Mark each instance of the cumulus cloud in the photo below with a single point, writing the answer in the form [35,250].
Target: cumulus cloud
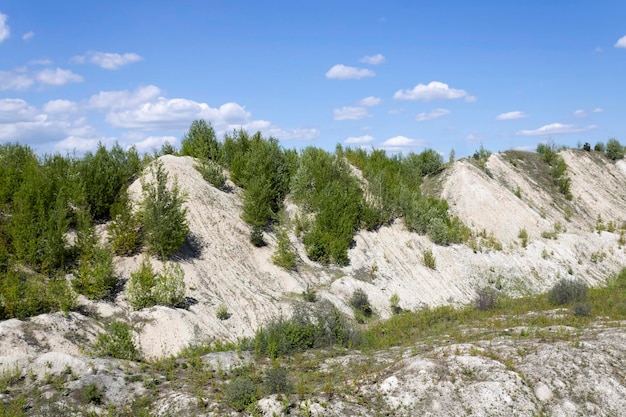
[369,101]
[60,107]
[155,142]
[13,80]
[434,114]
[28,35]
[108,60]
[359,139]
[434,90]
[401,144]
[581,114]
[597,110]
[512,115]
[350,113]
[343,72]
[83,144]
[373,59]
[621,42]
[58,77]
[4,28]
[555,129]
[44,62]
[124,99]
[16,110]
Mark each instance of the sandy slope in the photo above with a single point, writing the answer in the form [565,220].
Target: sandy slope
[226,268]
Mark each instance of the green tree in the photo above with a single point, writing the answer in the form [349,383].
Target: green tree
[163,216]
[124,229]
[200,142]
[614,149]
[140,284]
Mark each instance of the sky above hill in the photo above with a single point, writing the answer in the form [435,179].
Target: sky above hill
[399,75]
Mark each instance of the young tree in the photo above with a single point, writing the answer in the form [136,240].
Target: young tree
[163,216]
[614,150]
[124,229]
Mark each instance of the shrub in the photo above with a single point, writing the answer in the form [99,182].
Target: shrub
[581,310]
[140,285]
[614,150]
[429,260]
[92,394]
[599,147]
[222,312]
[587,147]
[523,235]
[116,342]
[361,302]
[256,236]
[240,393]
[284,256]
[169,285]
[394,302]
[566,291]
[212,173]
[124,229]
[96,278]
[486,299]
[309,294]
[276,381]
[164,217]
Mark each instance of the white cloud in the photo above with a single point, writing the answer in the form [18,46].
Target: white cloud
[12,80]
[16,110]
[82,144]
[343,72]
[512,115]
[434,90]
[555,129]
[581,114]
[4,28]
[359,139]
[434,114]
[113,61]
[58,77]
[369,101]
[402,142]
[395,112]
[621,43]
[123,99]
[597,110]
[28,35]
[350,113]
[60,107]
[373,59]
[155,142]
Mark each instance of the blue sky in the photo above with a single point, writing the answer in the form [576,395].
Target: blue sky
[399,75]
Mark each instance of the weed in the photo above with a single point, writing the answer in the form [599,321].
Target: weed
[429,260]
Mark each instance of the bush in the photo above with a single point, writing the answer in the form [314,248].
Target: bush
[566,291]
[394,302]
[276,381]
[124,229]
[256,236]
[240,393]
[95,277]
[581,310]
[361,302]
[523,235]
[212,173]
[116,342]
[614,150]
[284,256]
[222,312]
[163,215]
[599,147]
[429,260]
[169,285]
[309,294]
[92,394]
[486,299]
[140,285]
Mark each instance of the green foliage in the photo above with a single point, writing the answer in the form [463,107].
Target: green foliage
[394,303]
[104,174]
[140,284]
[523,236]
[163,216]
[200,142]
[240,393]
[169,285]
[145,289]
[581,310]
[599,147]
[558,167]
[430,162]
[95,277]
[566,291]
[428,259]
[92,394]
[256,236]
[222,312]
[116,342]
[124,230]
[309,295]
[614,150]
[360,302]
[321,325]
[284,256]
[212,173]
[15,161]
[276,381]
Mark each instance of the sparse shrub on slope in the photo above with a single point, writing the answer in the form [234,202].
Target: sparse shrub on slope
[163,216]
[558,167]
[146,289]
[116,342]
[566,291]
[124,230]
[241,392]
[285,257]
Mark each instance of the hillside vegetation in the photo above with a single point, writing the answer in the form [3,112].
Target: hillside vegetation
[303,262]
